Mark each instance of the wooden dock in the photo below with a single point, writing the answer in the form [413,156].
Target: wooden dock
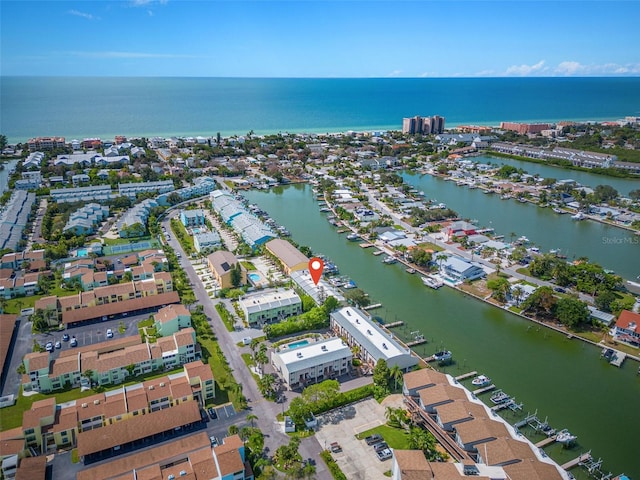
[418,341]
[377,252]
[484,389]
[585,457]
[546,441]
[399,323]
[366,245]
[466,375]
[372,307]
[342,230]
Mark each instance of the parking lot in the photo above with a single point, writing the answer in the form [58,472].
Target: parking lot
[357,460]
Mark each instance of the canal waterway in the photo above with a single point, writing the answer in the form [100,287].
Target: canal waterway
[613,248]
[587,179]
[563,379]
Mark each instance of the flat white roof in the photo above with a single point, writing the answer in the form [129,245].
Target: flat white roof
[316,353]
[267,301]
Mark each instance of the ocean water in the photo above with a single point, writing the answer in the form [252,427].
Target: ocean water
[78,107]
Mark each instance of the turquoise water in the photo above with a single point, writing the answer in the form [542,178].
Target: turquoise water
[298,344]
[77,107]
[254,277]
[82,252]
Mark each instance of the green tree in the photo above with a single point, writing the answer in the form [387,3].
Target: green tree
[3,142]
[357,297]
[541,302]
[420,257]
[500,287]
[299,409]
[604,300]
[396,374]
[321,393]
[236,275]
[420,439]
[572,311]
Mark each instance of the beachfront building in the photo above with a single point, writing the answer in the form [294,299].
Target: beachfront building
[110,363]
[373,343]
[206,240]
[290,258]
[320,291]
[270,307]
[171,319]
[313,362]
[423,125]
[192,218]
[456,270]
[221,263]
[524,128]
[190,457]
[45,143]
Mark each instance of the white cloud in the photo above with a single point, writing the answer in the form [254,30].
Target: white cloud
[113,54]
[395,73]
[525,70]
[571,67]
[143,3]
[88,16]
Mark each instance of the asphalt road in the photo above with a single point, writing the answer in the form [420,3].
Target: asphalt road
[266,411]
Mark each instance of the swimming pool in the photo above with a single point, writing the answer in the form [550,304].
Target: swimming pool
[82,252]
[254,277]
[298,344]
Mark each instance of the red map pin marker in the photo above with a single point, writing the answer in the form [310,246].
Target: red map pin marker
[316,265]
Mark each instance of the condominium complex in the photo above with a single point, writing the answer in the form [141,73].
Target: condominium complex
[287,255]
[270,307]
[423,125]
[524,128]
[45,143]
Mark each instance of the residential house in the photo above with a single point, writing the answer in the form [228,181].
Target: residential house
[290,258]
[206,240]
[192,218]
[627,328]
[270,307]
[457,269]
[220,264]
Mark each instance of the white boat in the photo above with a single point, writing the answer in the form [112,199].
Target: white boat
[481,381]
[411,270]
[578,216]
[431,282]
[389,260]
[442,356]
[565,437]
[522,240]
[499,397]
[558,210]
[352,237]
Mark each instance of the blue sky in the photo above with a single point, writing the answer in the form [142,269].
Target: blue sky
[301,38]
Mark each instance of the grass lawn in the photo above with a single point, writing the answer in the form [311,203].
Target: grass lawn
[14,305]
[248,265]
[227,389]
[395,437]
[430,246]
[123,241]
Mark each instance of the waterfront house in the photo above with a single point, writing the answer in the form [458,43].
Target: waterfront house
[431,398]
[627,328]
[469,435]
[192,218]
[313,362]
[206,240]
[450,414]
[423,378]
[457,269]
[412,465]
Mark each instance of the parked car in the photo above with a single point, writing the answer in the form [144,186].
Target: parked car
[65,337]
[73,342]
[212,413]
[49,347]
[373,439]
[385,454]
[380,446]
[58,344]
[109,333]
[559,289]
[214,441]
[335,447]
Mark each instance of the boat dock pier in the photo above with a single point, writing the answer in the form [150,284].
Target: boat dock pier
[618,358]
[399,323]
[510,404]
[466,375]
[418,339]
[366,245]
[482,390]
[373,307]
[526,420]
[546,441]
[579,460]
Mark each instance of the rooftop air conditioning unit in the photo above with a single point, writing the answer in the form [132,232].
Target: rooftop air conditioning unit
[84,405]
[150,387]
[96,402]
[162,384]
[183,473]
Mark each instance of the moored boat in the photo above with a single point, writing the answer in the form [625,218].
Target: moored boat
[565,437]
[499,397]
[442,356]
[481,381]
[352,237]
[578,216]
[389,260]
[431,282]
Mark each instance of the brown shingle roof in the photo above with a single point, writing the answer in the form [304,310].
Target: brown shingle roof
[289,255]
[440,394]
[37,360]
[136,428]
[147,463]
[222,261]
[63,365]
[229,459]
[7,324]
[32,468]
[88,313]
[39,409]
[532,470]
[170,312]
[424,377]
[480,430]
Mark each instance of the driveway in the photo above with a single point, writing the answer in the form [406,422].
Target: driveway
[357,460]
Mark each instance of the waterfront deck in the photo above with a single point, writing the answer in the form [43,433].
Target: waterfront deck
[546,441]
[418,341]
[367,245]
[372,306]
[464,376]
[482,390]
[618,358]
[585,457]
[399,323]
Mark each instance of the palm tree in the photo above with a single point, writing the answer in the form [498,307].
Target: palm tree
[517,293]
[396,374]
[251,417]
[441,257]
